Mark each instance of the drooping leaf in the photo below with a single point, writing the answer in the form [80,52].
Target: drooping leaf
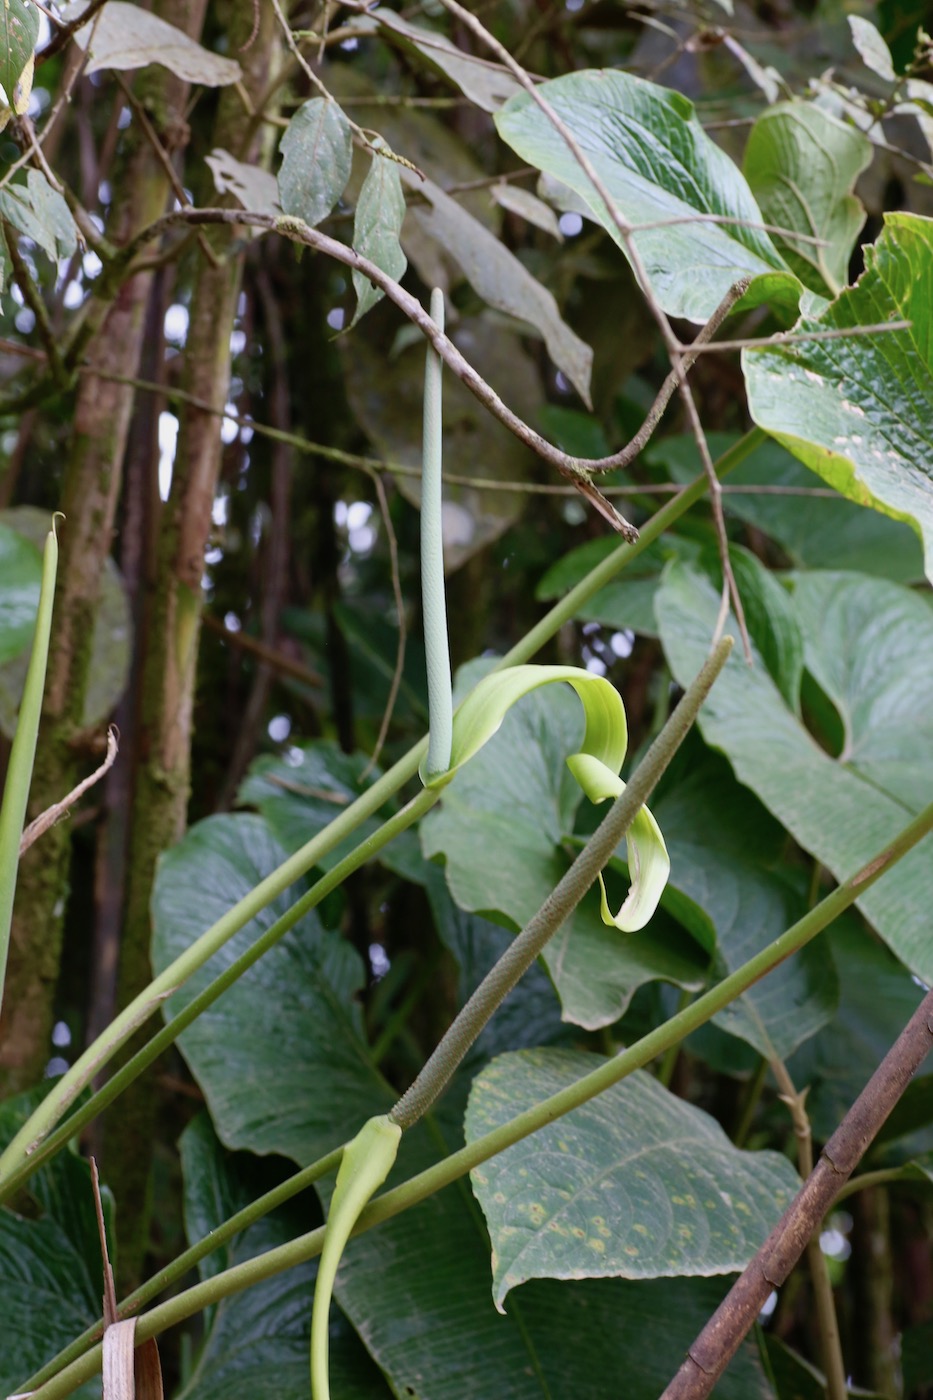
[253,187]
[19,30]
[256,1343]
[20,580]
[772,491]
[316,150]
[872,48]
[42,214]
[124,37]
[858,411]
[501,827]
[659,167]
[377,224]
[500,279]
[634,1184]
[50,1261]
[484,82]
[869,644]
[289,1028]
[801,164]
[529,207]
[726,852]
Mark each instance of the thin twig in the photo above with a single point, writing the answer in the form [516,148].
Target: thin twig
[52,814]
[828,1323]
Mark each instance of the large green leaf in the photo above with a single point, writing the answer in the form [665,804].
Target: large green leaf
[255,1344]
[50,1261]
[635,1184]
[770,491]
[726,853]
[802,164]
[281,1056]
[19,30]
[870,643]
[316,151]
[417,1290]
[20,579]
[657,164]
[501,826]
[859,411]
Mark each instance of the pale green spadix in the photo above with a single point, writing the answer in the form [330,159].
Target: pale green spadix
[595,767]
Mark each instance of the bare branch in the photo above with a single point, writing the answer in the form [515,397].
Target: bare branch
[52,814]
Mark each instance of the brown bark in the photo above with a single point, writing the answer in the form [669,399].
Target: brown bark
[89,496]
[172,628]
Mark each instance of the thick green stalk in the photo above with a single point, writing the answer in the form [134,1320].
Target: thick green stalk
[428,1182]
[23,751]
[560,903]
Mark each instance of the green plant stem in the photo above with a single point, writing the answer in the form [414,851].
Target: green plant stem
[169,1033]
[23,751]
[433,1179]
[884,1176]
[56,1103]
[560,903]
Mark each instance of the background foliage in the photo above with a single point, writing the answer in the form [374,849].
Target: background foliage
[238,463]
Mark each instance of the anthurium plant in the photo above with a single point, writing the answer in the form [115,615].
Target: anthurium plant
[390,918]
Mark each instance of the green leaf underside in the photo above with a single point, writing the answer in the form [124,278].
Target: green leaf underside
[816,532]
[377,224]
[256,1342]
[859,411]
[500,827]
[635,1184]
[726,852]
[289,1029]
[657,164]
[123,37]
[498,276]
[20,580]
[19,31]
[869,645]
[317,151]
[801,164]
[42,214]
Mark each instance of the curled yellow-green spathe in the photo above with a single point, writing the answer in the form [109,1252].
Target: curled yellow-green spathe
[365,1164]
[595,767]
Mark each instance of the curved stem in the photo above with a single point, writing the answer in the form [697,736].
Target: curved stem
[560,903]
[433,599]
